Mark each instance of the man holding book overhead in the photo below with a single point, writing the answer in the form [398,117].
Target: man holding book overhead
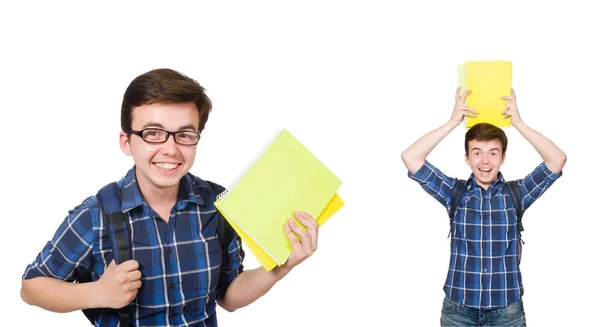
[484,286]
[171,257]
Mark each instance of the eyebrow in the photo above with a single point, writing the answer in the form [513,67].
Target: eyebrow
[151,124]
[158,125]
[492,149]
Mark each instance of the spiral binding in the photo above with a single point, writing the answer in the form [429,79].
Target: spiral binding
[221,197]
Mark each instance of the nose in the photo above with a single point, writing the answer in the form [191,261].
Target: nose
[485,158]
[169,147]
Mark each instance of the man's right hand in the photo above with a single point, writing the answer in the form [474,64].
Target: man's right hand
[460,108]
[119,284]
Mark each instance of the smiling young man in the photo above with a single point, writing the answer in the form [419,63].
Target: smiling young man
[483,286]
[179,271]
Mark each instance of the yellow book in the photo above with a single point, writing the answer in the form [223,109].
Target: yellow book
[284,177]
[488,81]
[461,78]
[265,260]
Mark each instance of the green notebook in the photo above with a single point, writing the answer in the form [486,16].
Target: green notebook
[283,178]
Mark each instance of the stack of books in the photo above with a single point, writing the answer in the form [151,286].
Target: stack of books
[285,177]
[488,82]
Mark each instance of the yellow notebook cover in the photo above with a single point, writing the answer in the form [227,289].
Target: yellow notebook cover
[283,178]
[488,81]
[461,77]
[334,205]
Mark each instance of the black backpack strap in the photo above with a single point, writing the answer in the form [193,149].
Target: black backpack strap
[457,194]
[110,199]
[516,199]
[513,190]
[224,230]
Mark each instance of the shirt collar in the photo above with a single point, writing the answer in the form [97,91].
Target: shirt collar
[132,197]
[187,192]
[471,181]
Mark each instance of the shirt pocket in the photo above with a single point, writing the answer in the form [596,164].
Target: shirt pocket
[502,229]
[205,260]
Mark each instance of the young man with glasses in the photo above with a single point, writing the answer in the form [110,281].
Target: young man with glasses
[180,272]
[483,286]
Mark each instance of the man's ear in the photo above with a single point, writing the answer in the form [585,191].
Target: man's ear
[467,159]
[503,157]
[124,143]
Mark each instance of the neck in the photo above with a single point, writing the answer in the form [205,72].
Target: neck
[157,196]
[160,197]
[485,186]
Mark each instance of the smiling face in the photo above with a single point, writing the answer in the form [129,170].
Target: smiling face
[485,159]
[160,167]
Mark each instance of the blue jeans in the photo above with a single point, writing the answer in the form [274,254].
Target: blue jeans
[456,314]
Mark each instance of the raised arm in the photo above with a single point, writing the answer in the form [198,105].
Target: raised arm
[553,156]
[414,156]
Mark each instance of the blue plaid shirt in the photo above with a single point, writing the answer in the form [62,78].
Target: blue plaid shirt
[183,269]
[484,259]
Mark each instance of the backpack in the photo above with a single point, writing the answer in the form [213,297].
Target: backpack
[459,191]
[110,199]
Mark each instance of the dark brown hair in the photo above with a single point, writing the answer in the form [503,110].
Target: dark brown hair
[485,132]
[164,85]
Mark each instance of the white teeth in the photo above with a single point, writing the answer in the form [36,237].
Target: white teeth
[485,170]
[166,166]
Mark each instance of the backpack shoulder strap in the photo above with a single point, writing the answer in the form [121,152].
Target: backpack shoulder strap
[224,230]
[516,199]
[110,199]
[457,194]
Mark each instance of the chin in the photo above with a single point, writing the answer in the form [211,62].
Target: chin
[163,182]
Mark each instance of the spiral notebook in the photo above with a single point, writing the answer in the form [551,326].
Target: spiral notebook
[284,177]
[488,81]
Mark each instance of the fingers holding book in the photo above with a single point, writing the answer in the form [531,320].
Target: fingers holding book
[460,108]
[303,238]
[311,225]
[510,107]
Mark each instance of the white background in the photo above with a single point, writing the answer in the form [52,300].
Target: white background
[356,82]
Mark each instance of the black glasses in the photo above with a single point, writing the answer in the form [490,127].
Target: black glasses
[157,135]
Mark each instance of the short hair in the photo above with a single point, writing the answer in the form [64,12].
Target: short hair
[164,85]
[485,132]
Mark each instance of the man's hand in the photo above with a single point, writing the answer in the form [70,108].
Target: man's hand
[119,284]
[307,245]
[460,108]
[510,108]
[252,284]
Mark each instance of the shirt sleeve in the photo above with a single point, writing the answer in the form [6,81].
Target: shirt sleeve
[231,265]
[535,184]
[69,254]
[435,183]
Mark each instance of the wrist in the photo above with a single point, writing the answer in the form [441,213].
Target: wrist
[95,298]
[279,272]
[517,124]
[453,123]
